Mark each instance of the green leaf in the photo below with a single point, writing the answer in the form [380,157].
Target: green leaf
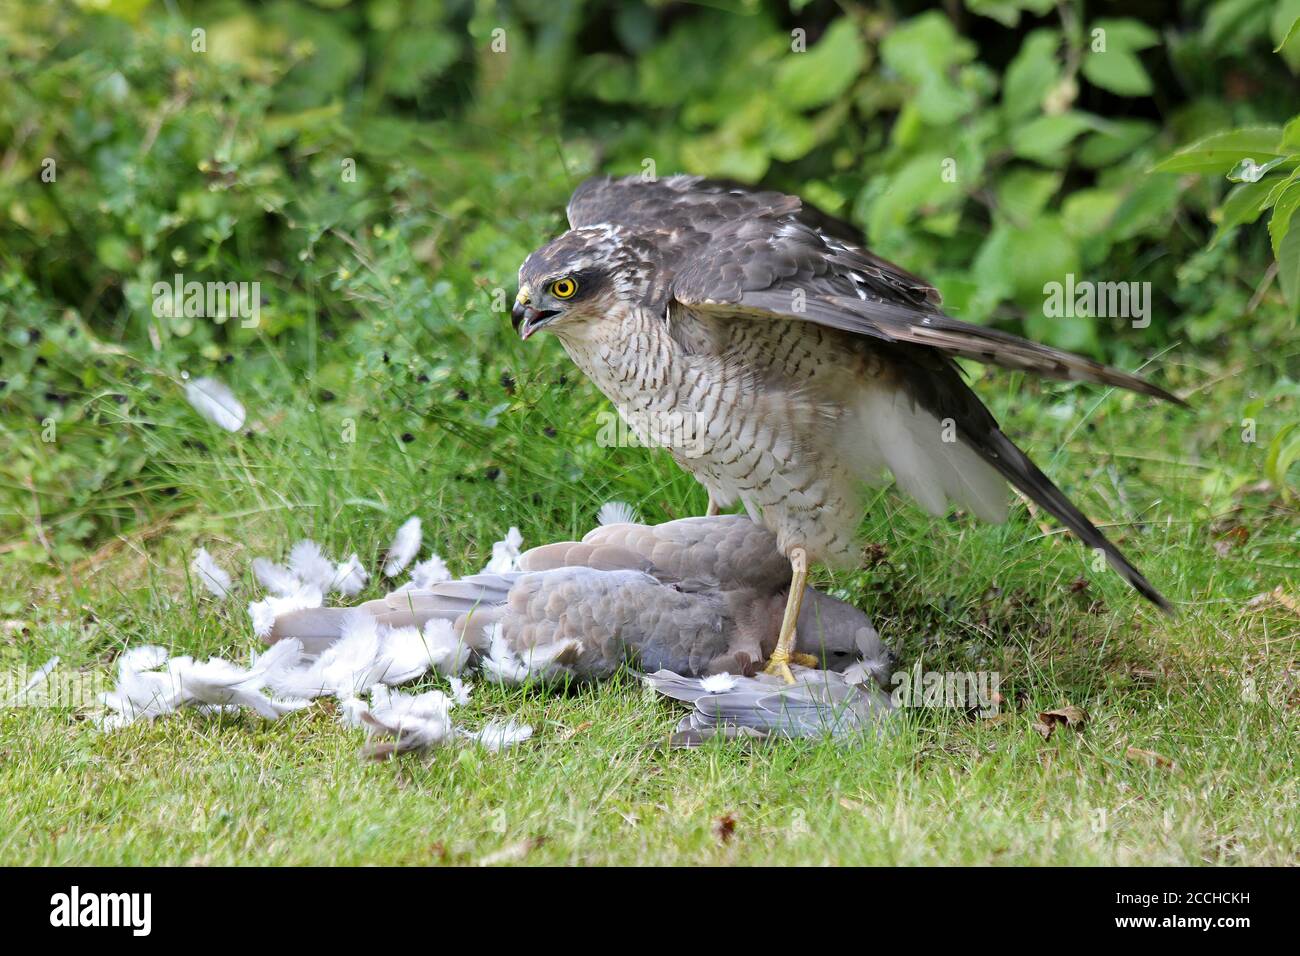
[1110,60]
[1118,71]
[1285,31]
[925,46]
[1288,268]
[1147,208]
[1283,452]
[1232,25]
[1279,224]
[1243,205]
[919,185]
[1113,141]
[1023,193]
[1007,12]
[821,74]
[1045,138]
[1042,252]
[1222,151]
[1033,72]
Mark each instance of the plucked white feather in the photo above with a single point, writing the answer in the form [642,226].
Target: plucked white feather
[276,578]
[433,570]
[505,553]
[412,722]
[717,683]
[496,735]
[36,680]
[350,578]
[214,578]
[310,566]
[616,512]
[216,402]
[405,546]
[504,666]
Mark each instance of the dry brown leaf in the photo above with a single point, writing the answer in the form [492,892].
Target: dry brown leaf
[724,828]
[1069,715]
[1150,757]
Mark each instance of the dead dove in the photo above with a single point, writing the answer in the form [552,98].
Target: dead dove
[697,596]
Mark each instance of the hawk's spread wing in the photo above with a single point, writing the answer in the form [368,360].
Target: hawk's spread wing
[767,255]
[728,251]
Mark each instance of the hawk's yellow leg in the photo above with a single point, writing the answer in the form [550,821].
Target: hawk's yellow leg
[713,508]
[785,655]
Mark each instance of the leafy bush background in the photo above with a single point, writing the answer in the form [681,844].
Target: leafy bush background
[380,295]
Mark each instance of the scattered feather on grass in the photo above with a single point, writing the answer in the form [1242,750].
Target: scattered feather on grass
[505,553]
[405,546]
[496,735]
[216,402]
[211,575]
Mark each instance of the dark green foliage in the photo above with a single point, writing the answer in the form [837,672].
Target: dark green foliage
[383,292]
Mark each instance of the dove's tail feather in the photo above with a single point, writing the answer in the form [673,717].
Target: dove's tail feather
[471,605]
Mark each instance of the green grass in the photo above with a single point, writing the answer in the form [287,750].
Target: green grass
[1213,689]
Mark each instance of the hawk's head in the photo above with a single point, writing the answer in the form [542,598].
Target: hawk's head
[583,276]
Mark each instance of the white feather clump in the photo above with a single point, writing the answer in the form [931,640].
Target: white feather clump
[216,402]
[151,684]
[276,578]
[350,577]
[496,735]
[405,546]
[616,512]
[309,570]
[433,570]
[210,574]
[717,683]
[505,553]
[459,690]
[219,683]
[347,668]
[544,664]
[310,566]
[410,722]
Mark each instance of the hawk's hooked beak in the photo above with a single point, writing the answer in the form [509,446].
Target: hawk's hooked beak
[526,319]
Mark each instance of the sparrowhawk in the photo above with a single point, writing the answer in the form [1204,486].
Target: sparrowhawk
[791,367]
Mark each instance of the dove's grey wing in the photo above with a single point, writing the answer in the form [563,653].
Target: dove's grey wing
[723,551]
[820,703]
[599,557]
[618,617]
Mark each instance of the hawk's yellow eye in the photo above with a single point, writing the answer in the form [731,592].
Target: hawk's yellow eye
[564,288]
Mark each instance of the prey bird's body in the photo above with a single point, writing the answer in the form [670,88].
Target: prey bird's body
[786,366]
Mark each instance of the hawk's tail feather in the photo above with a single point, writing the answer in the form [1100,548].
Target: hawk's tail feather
[1000,452]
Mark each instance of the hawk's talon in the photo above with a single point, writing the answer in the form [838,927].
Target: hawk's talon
[779,666]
